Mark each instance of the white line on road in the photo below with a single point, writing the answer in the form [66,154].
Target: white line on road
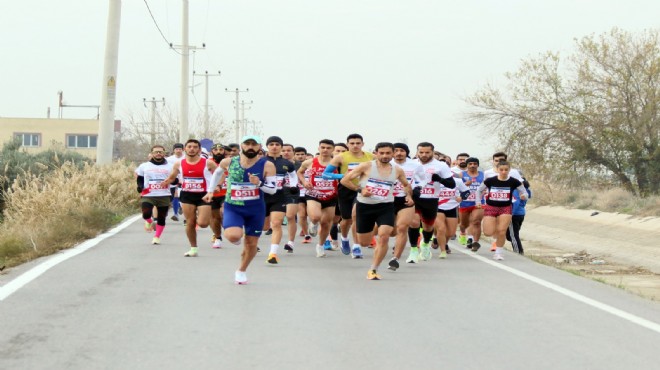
[36,271]
[567,292]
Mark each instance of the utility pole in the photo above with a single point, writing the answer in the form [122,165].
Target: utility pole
[185,55]
[243,123]
[153,102]
[236,106]
[109,86]
[206,97]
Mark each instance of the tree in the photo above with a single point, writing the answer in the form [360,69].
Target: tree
[137,134]
[591,117]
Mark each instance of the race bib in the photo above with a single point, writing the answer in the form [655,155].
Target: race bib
[428,192]
[154,184]
[279,182]
[323,185]
[244,191]
[193,184]
[379,189]
[499,194]
[352,166]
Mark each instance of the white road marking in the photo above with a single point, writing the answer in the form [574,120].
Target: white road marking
[33,273]
[567,292]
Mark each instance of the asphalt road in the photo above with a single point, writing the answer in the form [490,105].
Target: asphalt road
[125,304]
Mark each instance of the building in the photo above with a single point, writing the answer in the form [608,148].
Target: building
[40,134]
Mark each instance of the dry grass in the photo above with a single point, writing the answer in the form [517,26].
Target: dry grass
[609,200]
[49,213]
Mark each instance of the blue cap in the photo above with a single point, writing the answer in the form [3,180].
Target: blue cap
[251,137]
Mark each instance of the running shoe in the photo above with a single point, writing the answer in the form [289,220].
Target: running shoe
[393,264]
[447,249]
[326,245]
[435,244]
[414,256]
[334,245]
[217,244]
[148,226]
[313,230]
[475,246]
[373,242]
[307,239]
[174,218]
[462,239]
[498,257]
[155,240]
[191,253]
[320,252]
[272,259]
[373,275]
[493,247]
[240,278]
[345,247]
[469,242]
[425,252]
[357,252]
[288,248]
[443,255]
[268,232]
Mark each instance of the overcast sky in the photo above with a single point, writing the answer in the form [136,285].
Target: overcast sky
[390,70]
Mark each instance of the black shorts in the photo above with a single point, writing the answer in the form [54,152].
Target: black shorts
[216,202]
[292,199]
[369,214]
[345,200]
[187,197]
[449,213]
[302,200]
[428,209]
[324,203]
[399,204]
[276,205]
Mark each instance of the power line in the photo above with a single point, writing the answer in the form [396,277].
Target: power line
[159,30]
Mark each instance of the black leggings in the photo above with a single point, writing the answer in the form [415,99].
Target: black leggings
[513,233]
[148,209]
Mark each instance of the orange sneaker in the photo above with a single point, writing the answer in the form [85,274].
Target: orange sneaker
[493,247]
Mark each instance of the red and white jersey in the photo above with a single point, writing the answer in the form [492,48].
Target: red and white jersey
[321,189]
[451,198]
[302,188]
[430,189]
[153,175]
[195,176]
[409,167]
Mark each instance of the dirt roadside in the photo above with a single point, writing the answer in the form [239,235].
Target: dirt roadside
[612,248]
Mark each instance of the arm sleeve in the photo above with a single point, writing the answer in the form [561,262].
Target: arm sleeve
[215,179]
[328,173]
[522,191]
[293,179]
[480,190]
[140,183]
[268,185]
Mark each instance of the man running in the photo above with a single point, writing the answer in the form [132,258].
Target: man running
[276,203]
[248,178]
[470,215]
[346,162]
[299,156]
[177,155]
[196,172]
[292,197]
[427,192]
[150,176]
[404,209]
[375,200]
[321,194]
[218,154]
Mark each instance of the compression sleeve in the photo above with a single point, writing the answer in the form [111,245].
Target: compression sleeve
[293,179]
[215,179]
[268,185]
[328,173]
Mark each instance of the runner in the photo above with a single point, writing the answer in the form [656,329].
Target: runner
[517,218]
[346,162]
[218,154]
[292,195]
[447,218]
[375,200]
[299,156]
[321,194]
[276,203]
[470,215]
[497,210]
[177,155]
[150,175]
[196,173]
[248,177]
[404,209]
[428,178]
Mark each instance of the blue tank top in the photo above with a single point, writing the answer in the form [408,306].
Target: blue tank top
[476,181]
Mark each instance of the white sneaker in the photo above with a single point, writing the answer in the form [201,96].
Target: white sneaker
[240,277]
[320,251]
[498,257]
[313,230]
[414,256]
[335,245]
[217,244]
[425,252]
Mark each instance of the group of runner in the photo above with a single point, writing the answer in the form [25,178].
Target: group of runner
[388,194]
